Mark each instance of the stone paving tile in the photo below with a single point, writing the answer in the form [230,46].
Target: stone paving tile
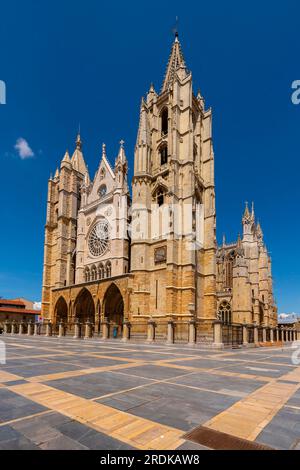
[205,363]
[258,369]
[155,372]
[158,402]
[13,406]
[85,362]
[283,432]
[98,384]
[217,383]
[294,400]
[47,368]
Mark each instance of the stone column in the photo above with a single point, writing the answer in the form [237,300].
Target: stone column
[30,330]
[170,334]
[218,340]
[36,329]
[21,328]
[151,331]
[264,334]
[61,329]
[192,333]
[49,329]
[245,335]
[88,330]
[13,328]
[255,333]
[5,328]
[276,334]
[77,330]
[126,331]
[271,335]
[105,330]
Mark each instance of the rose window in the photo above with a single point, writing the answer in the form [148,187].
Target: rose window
[99,238]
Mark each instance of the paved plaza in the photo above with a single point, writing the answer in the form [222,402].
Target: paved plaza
[94,394]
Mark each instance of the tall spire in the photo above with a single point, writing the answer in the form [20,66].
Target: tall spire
[246,216]
[176,61]
[121,155]
[252,212]
[77,159]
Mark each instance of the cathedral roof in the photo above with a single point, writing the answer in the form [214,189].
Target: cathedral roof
[176,60]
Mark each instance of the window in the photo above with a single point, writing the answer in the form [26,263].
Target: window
[87,275]
[102,190]
[163,155]
[225,312]
[101,271]
[108,269]
[160,198]
[164,122]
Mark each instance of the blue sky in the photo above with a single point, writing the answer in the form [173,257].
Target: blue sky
[90,62]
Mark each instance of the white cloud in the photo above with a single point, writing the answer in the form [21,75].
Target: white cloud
[23,149]
[37,305]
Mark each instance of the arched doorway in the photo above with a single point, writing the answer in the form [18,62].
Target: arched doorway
[61,311]
[84,308]
[114,309]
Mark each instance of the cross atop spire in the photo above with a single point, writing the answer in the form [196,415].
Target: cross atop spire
[78,141]
[176,60]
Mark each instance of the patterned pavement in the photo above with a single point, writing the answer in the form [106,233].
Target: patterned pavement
[92,394]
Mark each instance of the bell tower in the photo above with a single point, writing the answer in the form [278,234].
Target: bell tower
[173,212]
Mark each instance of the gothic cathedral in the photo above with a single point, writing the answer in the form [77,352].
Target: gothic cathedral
[118,262]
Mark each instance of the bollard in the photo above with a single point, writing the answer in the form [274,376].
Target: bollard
[151,332]
[170,335]
[218,343]
[192,333]
[61,330]
[49,329]
[29,329]
[36,329]
[126,331]
[77,330]
[13,328]
[88,330]
[245,335]
[105,330]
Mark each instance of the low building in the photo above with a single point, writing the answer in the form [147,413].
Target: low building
[18,310]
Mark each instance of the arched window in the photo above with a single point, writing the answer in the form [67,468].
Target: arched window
[93,273]
[87,274]
[164,121]
[160,197]
[225,312]
[101,271]
[229,269]
[108,269]
[163,152]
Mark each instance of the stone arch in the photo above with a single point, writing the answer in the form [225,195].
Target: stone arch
[61,310]
[84,307]
[113,307]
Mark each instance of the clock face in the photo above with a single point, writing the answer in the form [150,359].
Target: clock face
[160,254]
[99,238]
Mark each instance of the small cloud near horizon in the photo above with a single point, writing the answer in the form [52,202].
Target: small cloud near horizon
[23,149]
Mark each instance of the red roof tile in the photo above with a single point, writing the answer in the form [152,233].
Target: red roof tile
[21,311]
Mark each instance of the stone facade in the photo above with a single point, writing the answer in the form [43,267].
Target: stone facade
[244,277]
[164,268]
